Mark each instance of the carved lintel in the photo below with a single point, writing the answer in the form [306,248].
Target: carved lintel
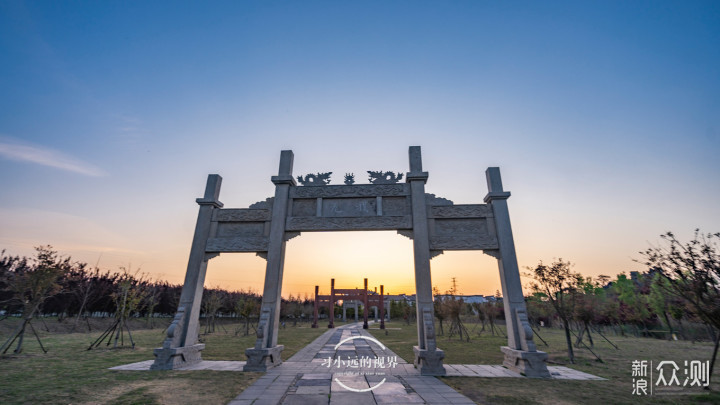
[238,244]
[476,227]
[290,235]
[347,224]
[212,255]
[267,204]
[431,199]
[493,252]
[463,242]
[240,215]
[460,211]
[435,253]
[408,233]
[262,254]
[362,190]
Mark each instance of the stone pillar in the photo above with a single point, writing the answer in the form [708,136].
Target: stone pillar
[266,353]
[365,306]
[356,311]
[344,312]
[331,307]
[382,306]
[427,356]
[316,305]
[180,348]
[375,309]
[521,355]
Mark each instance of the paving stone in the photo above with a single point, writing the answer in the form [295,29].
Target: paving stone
[317,376]
[306,399]
[266,402]
[313,382]
[352,398]
[313,389]
[308,365]
[399,399]
[388,388]
[241,402]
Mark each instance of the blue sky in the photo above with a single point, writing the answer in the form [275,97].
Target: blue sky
[604,118]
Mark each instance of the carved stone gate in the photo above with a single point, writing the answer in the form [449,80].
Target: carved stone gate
[434,225]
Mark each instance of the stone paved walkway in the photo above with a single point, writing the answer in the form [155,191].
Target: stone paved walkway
[320,374]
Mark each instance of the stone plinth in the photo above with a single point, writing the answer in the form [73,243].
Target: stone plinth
[167,358]
[529,364]
[263,359]
[430,362]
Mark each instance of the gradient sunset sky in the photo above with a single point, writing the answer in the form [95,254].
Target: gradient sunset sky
[603,116]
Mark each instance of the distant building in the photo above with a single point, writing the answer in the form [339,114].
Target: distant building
[470,299]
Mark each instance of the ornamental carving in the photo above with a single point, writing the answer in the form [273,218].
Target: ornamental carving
[237,244]
[461,211]
[319,179]
[266,205]
[384,177]
[463,242]
[408,233]
[396,206]
[431,199]
[347,224]
[460,226]
[290,235]
[241,215]
[240,229]
[304,207]
[349,207]
[368,190]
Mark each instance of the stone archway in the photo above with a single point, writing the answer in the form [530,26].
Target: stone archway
[434,224]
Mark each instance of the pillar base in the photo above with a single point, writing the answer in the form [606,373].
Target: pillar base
[167,358]
[529,364]
[263,359]
[430,362]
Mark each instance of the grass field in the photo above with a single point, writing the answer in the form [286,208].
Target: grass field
[616,368]
[70,374]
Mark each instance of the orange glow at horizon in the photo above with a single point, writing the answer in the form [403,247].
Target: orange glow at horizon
[383,257]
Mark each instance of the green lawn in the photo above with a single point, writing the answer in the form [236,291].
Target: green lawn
[69,373]
[616,368]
